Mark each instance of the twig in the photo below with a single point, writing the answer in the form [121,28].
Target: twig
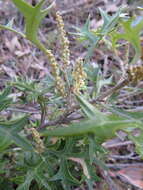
[23,111]
[117,144]
[123,157]
[119,166]
[70,110]
[109,92]
[108,179]
[63,118]
[78,4]
[138,109]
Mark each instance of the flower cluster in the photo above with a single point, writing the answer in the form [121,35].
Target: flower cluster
[60,85]
[39,143]
[79,76]
[135,73]
[53,63]
[64,40]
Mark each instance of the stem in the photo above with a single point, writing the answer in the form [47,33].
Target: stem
[40,46]
[109,92]
[12,30]
[70,110]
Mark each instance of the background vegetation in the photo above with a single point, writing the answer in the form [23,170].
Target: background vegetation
[71,95]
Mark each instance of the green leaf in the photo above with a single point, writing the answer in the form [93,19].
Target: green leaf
[108,25]
[24,7]
[9,27]
[32,159]
[85,33]
[33,17]
[94,147]
[27,182]
[103,130]
[5,101]
[89,110]
[104,127]
[90,181]
[5,142]
[92,71]
[10,130]
[91,148]
[36,172]
[42,180]
[106,18]
[109,21]
[123,114]
[101,82]
[65,175]
[132,31]
[94,36]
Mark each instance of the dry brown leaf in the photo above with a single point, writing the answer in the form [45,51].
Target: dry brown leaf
[133,175]
[54,140]
[111,8]
[20,54]
[83,164]
[13,44]
[10,72]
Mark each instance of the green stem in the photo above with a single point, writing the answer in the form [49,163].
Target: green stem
[103,130]
[40,46]
[12,30]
